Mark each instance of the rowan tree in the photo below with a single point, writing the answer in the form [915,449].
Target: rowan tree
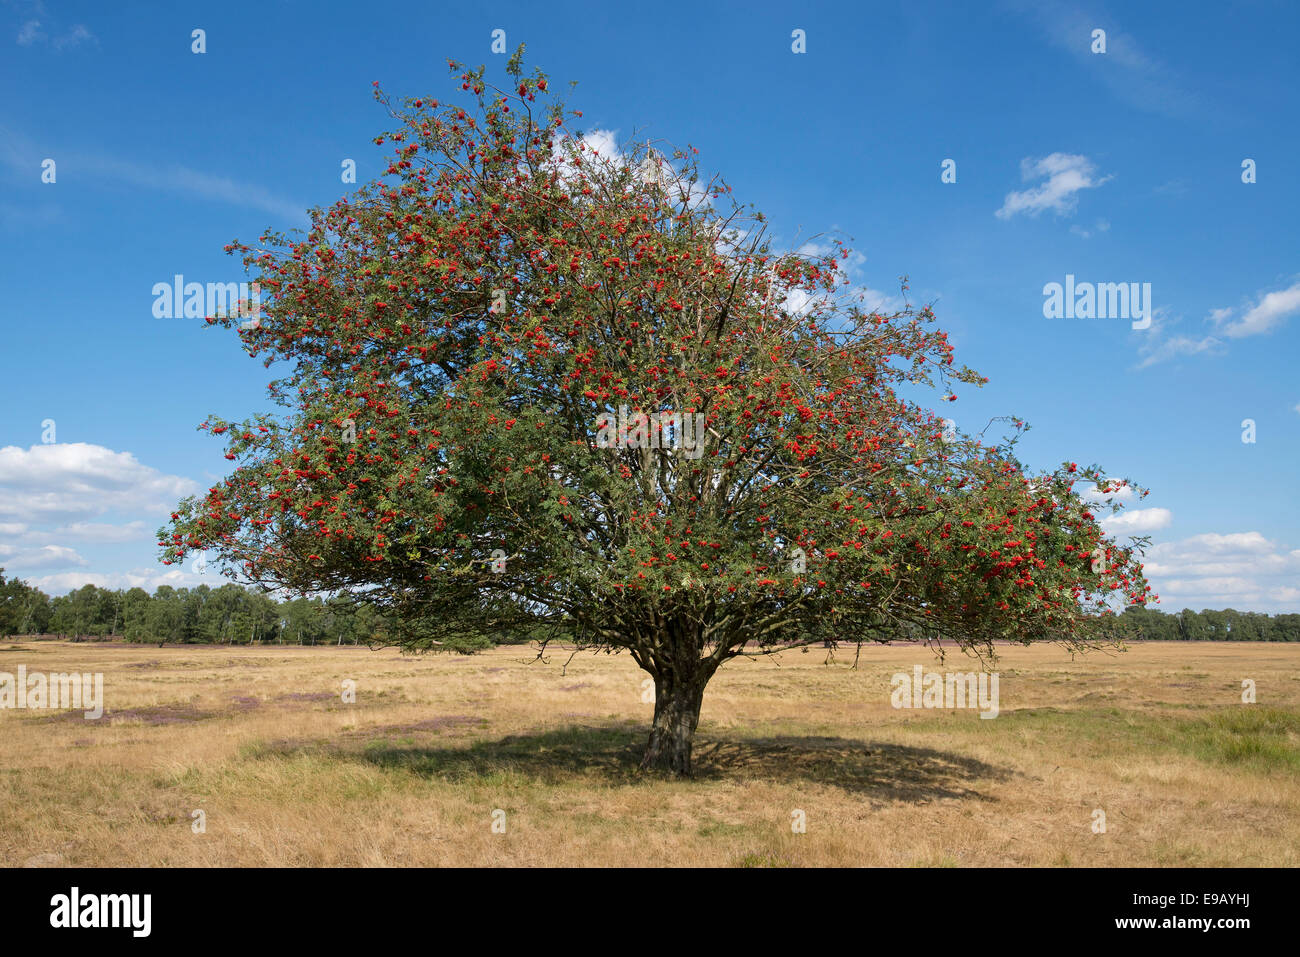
[462,336]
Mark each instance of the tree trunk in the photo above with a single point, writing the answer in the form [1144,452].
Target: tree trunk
[677,713]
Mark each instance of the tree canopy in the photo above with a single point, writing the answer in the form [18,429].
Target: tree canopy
[537,385]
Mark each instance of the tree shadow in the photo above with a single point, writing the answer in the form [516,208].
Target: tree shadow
[611,754]
[880,771]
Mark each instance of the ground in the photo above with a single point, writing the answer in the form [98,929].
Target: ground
[286,773]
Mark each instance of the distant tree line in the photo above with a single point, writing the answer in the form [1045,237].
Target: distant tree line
[1148,624]
[229,614]
[234,615]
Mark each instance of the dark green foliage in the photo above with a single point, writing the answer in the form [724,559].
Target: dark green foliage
[1148,624]
[228,614]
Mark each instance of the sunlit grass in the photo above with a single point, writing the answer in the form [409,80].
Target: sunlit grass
[288,774]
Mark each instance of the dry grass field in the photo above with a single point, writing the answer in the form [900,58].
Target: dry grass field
[288,774]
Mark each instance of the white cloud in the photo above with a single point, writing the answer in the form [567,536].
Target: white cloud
[30,33]
[46,556]
[147,578]
[604,143]
[1250,542]
[1268,313]
[1210,589]
[1159,345]
[1128,520]
[815,250]
[75,481]
[1178,346]
[1064,174]
[730,241]
[58,491]
[1126,69]
[1242,569]
[873,300]
[599,147]
[799,302]
[1094,494]
[101,532]
[847,273]
[1101,226]
[1139,520]
[74,37]
[182,179]
[19,153]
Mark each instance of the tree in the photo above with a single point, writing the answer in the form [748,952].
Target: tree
[108,611]
[135,615]
[1139,623]
[540,391]
[166,617]
[23,609]
[81,612]
[13,598]
[1284,628]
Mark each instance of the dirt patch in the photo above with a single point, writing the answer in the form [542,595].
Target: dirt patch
[447,722]
[164,714]
[308,696]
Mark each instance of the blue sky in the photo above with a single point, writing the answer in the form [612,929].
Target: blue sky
[1122,166]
